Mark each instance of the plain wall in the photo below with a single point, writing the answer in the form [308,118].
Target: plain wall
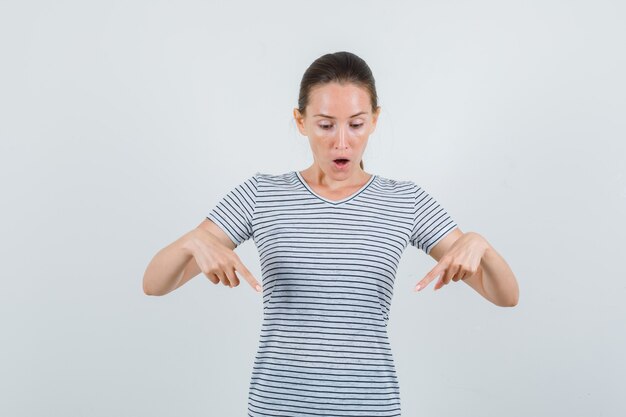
[123,123]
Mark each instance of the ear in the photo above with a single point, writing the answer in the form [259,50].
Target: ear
[299,121]
[375,119]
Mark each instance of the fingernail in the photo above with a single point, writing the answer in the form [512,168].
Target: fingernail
[417,287]
[258,287]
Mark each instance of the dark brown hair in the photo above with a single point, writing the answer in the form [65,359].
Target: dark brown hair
[341,67]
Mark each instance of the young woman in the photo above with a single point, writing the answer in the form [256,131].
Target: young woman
[330,238]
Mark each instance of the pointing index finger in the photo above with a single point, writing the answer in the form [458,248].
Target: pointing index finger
[430,276]
[241,268]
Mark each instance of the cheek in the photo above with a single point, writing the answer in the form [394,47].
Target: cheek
[323,133]
[318,137]
[357,137]
[360,138]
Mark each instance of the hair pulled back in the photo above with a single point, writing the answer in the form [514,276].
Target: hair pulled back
[341,67]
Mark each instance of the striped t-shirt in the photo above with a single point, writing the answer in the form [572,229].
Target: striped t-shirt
[328,271]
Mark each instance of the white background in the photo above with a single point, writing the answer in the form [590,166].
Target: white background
[123,123]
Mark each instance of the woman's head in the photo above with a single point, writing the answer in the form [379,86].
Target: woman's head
[337,110]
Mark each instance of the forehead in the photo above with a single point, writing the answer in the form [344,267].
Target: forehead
[338,100]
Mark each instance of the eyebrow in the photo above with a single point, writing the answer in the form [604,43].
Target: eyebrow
[331,117]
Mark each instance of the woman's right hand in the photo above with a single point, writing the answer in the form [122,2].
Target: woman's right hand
[217,261]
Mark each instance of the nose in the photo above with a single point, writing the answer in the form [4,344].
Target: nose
[341,139]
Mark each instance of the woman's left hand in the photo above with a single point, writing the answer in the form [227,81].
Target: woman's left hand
[461,261]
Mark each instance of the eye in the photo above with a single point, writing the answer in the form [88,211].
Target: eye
[328,126]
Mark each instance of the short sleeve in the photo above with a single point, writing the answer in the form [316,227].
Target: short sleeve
[431,222]
[233,213]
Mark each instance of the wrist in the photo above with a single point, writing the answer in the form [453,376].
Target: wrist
[480,241]
[188,242]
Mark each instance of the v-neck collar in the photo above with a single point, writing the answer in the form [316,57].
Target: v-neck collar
[343,200]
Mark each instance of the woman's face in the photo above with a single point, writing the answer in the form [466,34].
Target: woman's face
[338,122]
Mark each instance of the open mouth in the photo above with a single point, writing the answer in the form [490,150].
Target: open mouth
[341,162]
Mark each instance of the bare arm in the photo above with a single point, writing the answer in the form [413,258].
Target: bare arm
[494,279]
[174,265]
[475,281]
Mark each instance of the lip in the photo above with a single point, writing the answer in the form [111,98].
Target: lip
[342,167]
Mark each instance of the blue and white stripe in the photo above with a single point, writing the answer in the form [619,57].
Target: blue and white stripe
[328,271]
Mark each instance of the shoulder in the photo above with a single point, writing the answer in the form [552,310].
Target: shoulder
[393,193]
[387,184]
[268,178]
[266,181]
[272,177]
[418,191]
